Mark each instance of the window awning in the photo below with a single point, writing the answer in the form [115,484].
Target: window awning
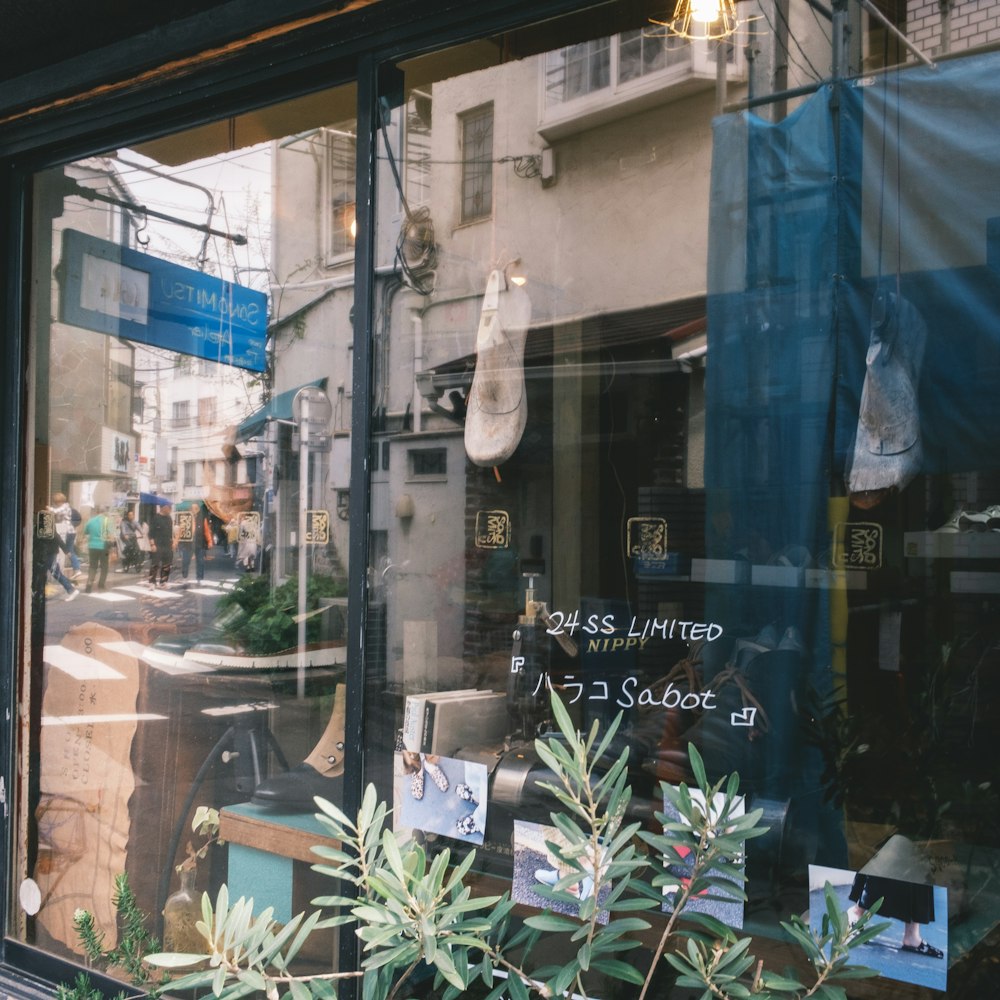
[154,499]
[278,408]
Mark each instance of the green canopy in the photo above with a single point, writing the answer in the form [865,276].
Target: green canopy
[278,408]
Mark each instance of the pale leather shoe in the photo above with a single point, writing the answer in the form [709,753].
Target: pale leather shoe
[497,407]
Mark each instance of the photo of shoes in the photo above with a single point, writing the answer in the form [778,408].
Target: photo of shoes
[437,775]
[466,825]
[924,949]
[910,923]
[426,800]
[546,876]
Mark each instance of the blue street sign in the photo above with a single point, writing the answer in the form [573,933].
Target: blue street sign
[113,289]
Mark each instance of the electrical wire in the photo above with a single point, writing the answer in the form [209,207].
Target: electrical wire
[827,38]
[788,54]
[781,13]
[622,547]
[416,249]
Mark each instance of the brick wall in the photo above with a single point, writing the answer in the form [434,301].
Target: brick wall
[973,23]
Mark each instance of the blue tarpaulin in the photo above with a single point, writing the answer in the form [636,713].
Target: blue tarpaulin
[892,190]
[854,282]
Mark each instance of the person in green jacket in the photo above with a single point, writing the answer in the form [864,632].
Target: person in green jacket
[98,530]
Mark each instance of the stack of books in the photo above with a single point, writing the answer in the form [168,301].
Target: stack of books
[442,722]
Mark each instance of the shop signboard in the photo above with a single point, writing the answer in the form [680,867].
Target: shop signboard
[117,451]
[113,289]
[317,527]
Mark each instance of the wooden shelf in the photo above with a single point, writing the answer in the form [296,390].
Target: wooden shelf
[289,835]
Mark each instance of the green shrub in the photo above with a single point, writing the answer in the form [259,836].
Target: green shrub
[261,621]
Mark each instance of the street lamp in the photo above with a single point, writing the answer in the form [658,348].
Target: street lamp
[311,411]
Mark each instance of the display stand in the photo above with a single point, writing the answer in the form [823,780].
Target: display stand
[245,743]
[264,846]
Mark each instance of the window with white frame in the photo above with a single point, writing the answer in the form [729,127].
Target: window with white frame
[206,411]
[417,148]
[477,163]
[583,82]
[642,52]
[341,218]
[577,70]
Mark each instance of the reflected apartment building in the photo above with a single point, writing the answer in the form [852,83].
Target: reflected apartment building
[497,165]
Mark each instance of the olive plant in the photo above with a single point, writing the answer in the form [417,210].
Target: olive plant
[414,912]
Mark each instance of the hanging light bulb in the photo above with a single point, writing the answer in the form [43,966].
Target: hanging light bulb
[702,19]
[705,11]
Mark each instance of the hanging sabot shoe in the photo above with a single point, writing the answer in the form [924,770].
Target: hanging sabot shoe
[320,774]
[497,407]
[887,450]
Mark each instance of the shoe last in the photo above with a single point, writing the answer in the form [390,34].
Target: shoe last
[296,788]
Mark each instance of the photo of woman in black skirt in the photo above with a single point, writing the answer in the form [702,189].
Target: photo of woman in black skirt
[910,902]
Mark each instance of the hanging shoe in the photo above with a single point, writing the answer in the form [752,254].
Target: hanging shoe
[887,450]
[497,406]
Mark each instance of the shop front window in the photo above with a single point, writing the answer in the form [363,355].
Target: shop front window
[685,417]
[187,568]
[670,504]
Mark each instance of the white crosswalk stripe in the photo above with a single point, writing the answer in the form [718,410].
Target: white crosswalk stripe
[100,720]
[160,593]
[78,666]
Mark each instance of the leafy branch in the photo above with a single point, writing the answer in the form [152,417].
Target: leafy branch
[134,940]
[411,910]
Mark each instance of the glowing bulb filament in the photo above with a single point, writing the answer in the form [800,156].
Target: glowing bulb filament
[705,11]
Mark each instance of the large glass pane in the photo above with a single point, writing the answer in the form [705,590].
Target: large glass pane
[191,372]
[613,422]
[684,416]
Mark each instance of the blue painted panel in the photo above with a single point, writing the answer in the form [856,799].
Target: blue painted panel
[264,876]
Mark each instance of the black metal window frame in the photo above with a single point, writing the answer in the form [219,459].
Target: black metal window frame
[74,115]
